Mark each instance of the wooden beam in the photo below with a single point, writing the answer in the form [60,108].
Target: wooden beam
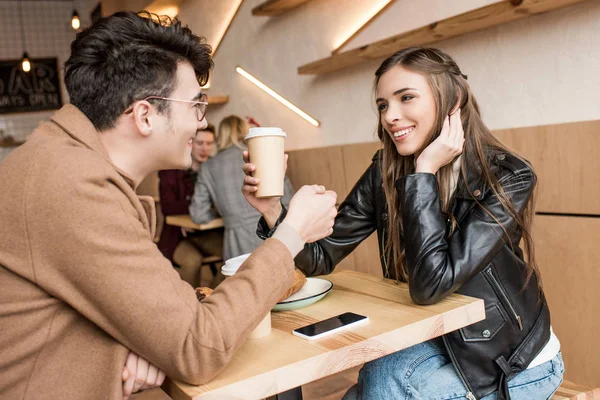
[272,8]
[485,17]
[217,100]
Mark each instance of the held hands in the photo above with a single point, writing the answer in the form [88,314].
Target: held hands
[312,212]
[445,147]
[269,207]
[138,374]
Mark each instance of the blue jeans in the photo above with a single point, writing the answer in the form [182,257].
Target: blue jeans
[425,372]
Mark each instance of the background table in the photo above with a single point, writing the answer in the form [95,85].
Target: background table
[185,221]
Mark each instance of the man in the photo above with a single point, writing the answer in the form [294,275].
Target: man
[186,248]
[82,282]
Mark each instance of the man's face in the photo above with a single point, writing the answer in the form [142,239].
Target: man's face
[181,123]
[202,146]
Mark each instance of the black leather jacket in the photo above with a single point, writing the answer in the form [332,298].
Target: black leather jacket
[475,260]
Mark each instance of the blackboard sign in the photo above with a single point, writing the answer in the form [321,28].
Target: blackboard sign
[36,90]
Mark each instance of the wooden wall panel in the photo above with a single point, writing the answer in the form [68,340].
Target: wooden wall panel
[366,257]
[569,259]
[322,166]
[357,158]
[566,158]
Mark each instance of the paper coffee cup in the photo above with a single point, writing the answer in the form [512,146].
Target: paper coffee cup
[230,267]
[266,150]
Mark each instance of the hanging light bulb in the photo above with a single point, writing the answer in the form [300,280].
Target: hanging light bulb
[75,22]
[25,63]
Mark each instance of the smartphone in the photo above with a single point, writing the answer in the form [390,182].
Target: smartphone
[330,325]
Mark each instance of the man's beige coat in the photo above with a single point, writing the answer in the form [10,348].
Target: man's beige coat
[81,281]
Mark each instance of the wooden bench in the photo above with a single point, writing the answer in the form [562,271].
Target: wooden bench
[571,391]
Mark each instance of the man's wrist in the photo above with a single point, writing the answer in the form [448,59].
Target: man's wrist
[288,235]
[272,215]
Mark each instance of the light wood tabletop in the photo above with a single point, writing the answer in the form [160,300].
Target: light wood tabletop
[185,221]
[281,361]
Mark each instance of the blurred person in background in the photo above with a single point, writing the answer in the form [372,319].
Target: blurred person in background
[184,247]
[217,191]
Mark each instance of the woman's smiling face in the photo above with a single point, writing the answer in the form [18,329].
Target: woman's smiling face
[407,109]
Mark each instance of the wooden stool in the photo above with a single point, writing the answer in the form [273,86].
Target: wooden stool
[212,262]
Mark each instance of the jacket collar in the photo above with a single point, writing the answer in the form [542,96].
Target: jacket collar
[475,181]
[475,185]
[77,125]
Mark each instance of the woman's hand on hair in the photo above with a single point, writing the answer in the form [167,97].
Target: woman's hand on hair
[445,148]
[269,207]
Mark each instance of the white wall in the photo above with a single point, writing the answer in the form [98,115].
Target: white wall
[541,70]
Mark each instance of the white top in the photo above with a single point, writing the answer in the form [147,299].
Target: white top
[551,348]
[549,351]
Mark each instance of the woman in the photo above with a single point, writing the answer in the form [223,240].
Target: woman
[217,191]
[450,205]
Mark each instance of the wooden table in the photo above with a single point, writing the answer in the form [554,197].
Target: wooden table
[282,362]
[185,221]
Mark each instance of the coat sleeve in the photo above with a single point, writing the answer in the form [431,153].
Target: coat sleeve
[170,202]
[354,222]
[102,262]
[437,265]
[201,208]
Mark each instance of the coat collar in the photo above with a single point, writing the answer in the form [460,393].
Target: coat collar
[77,125]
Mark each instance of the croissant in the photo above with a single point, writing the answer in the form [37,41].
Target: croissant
[202,292]
[299,281]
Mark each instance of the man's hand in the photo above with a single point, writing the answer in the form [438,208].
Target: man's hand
[269,207]
[312,212]
[138,374]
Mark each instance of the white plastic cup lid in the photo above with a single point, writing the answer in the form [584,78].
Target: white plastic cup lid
[264,131]
[233,264]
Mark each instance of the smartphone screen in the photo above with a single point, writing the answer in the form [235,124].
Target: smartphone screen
[319,329]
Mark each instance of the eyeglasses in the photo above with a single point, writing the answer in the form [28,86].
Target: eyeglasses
[200,105]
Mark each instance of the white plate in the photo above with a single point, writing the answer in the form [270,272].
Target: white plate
[313,290]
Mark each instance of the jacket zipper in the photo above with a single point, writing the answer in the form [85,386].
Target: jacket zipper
[504,297]
[469,395]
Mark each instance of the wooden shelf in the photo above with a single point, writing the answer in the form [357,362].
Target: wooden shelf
[481,18]
[271,8]
[218,100]
[10,143]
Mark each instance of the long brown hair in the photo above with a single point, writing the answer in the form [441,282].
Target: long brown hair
[448,85]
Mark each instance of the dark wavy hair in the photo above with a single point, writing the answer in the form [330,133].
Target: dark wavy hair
[127,57]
